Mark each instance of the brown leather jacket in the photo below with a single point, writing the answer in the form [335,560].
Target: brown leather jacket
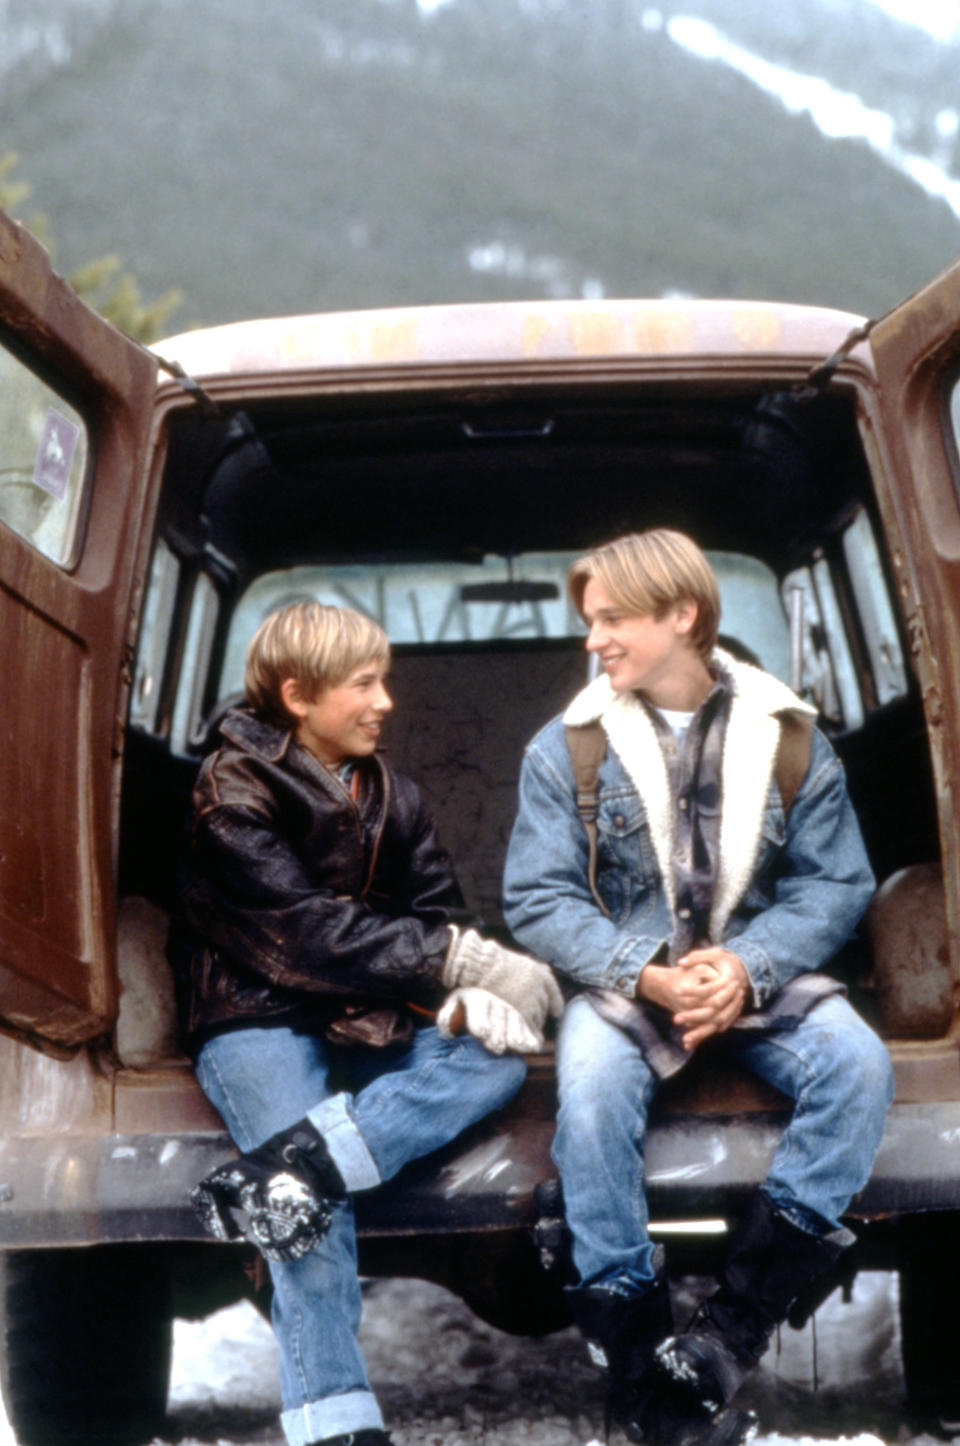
[301,904]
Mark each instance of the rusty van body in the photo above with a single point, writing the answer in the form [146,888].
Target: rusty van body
[437,467]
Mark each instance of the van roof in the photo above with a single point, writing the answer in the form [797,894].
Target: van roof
[511,332]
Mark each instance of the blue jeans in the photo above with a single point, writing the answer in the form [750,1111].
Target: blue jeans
[831,1064]
[402,1103]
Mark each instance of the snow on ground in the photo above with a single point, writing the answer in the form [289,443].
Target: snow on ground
[445,1378]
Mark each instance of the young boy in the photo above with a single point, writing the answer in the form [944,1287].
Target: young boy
[717,897]
[322,927]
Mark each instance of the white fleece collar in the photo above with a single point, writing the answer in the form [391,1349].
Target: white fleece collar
[749,752]
[761,690]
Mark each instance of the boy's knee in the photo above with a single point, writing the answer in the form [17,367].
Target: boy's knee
[501,1074]
[862,1067]
[513,1067]
[876,1067]
[594,1105]
[598,1079]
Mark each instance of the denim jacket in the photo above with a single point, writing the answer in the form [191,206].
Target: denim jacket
[790,890]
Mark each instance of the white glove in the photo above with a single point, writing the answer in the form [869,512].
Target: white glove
[498,1026]
[528,985]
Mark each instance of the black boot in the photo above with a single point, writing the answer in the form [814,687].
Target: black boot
[671,1421]
[622,1333]
[278,1196]
[769,1262]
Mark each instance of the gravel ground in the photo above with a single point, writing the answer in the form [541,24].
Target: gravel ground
[442,1376]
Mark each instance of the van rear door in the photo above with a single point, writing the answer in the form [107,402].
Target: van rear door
[75,407]
[916,349]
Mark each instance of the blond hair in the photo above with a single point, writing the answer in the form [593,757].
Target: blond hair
[317,644]
[648,573]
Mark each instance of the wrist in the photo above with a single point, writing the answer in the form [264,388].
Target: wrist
[649,983]
[740,974]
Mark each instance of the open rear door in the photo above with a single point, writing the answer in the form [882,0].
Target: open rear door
[916,350]
[75,408]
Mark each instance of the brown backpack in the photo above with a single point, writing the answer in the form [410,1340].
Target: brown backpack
[587,744]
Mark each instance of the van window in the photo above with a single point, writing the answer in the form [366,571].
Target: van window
[185,730]
[875,610]
[823,671]
[43,461]
[155,632]
[496,600]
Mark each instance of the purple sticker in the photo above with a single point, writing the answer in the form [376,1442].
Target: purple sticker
[55,455]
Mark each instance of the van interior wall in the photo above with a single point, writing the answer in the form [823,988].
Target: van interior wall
[460,724]
[890,779]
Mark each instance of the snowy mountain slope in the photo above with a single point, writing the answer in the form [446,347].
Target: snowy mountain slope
[327,154]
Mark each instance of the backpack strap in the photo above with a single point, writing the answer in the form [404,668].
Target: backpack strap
[587,744]
[793,755]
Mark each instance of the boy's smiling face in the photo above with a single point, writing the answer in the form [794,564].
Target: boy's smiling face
[341,722]
[641,653]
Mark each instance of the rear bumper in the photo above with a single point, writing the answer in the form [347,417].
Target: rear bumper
[78,1190]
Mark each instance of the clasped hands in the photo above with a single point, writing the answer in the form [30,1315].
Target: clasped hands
[705,992]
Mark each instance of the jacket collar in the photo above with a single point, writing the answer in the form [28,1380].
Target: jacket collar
[275,745]
[749,752]
[243,728]
[760,691]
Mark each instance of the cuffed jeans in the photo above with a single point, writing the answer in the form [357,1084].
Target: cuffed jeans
[831,1064]
[403,1102]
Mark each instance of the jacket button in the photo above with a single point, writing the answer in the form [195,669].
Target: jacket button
[619,820]
[623,983]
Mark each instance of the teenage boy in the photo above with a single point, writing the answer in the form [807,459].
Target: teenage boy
[322,927]
[716,896]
